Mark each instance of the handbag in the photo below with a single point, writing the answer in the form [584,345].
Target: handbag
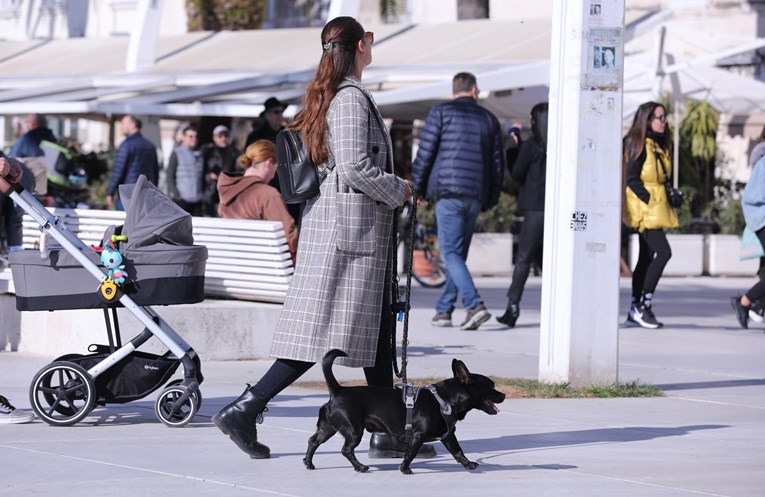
[675,197]
[751,248]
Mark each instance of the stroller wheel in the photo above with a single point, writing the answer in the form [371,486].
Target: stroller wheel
[197,393]
[62,393]
[173,412]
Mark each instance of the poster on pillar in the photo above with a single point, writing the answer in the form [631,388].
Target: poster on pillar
[602,64]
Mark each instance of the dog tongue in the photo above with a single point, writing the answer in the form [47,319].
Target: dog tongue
[493,406]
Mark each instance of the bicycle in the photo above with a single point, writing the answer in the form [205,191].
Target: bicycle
[432,273]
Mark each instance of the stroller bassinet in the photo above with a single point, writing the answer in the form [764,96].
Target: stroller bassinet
[163,267]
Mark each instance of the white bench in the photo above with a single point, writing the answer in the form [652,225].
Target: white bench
[247,259]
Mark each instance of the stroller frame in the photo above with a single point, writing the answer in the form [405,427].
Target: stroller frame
[75,395]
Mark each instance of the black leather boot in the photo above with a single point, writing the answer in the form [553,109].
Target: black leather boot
[385,446]
[238,420]
[511,315]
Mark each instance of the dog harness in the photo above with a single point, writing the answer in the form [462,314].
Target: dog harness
[411,393]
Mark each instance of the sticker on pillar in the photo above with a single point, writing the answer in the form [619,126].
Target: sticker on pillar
[602,63]
[578,221]
[595,9]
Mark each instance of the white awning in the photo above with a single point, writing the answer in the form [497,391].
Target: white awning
[232,73]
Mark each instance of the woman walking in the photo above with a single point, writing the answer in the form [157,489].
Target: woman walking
[529,170]
[753,205]
[340,295]
[646,151]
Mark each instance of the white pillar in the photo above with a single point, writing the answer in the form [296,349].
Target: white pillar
[142,49]
[580,285]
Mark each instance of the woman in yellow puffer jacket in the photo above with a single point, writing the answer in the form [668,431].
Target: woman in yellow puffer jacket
[647,210]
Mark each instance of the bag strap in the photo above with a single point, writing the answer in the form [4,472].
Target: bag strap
[660,161]
[372,110]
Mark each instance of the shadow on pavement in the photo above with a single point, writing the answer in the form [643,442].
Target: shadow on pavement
[711,384]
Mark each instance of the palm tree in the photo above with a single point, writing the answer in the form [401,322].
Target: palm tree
[698,148]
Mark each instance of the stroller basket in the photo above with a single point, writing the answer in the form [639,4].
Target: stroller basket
[132,378]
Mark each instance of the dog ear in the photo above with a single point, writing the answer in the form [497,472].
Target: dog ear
[460,371]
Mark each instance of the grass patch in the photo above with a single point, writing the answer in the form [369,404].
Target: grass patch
[517,388]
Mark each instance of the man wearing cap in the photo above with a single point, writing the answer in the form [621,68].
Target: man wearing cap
[272,122]
[220,155]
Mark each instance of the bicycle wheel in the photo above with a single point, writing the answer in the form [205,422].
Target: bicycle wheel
[434,276]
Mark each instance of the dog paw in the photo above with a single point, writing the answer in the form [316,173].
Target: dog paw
[361,468]
[405,470]
[308,465]
[471,465]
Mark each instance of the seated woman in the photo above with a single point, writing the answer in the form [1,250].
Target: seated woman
[250,197]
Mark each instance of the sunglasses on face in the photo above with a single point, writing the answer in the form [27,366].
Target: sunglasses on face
[369,37]
[662,118]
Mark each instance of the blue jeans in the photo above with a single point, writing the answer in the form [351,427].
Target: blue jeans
[456,221]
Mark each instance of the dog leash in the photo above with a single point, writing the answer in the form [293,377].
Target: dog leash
[403,307]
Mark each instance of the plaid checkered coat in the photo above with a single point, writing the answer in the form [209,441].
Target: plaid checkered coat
[346,239]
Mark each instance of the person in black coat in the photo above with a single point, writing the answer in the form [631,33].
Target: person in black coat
[529,170]
[272,121]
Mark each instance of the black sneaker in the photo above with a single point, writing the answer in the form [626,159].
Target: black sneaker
[511,315]
[11,415]
[475,317]
[630,322]
[644,317]
[742,313]
[757,312]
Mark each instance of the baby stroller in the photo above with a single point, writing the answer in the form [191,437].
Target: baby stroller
[160,266]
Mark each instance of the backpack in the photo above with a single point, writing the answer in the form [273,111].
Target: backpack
[299,178]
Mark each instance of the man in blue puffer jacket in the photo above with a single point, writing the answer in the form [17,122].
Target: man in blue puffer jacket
[459,164]
[135,156]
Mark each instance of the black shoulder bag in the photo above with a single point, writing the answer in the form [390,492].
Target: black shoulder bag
[299,177]
[675,197]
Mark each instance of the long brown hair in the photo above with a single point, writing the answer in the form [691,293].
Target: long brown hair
[634,142]
[338,42]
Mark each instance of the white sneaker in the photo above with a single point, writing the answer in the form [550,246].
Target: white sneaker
[11,415]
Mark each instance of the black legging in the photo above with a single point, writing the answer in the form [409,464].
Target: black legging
[653,257]
[757,291]
[284,372]
[532,232]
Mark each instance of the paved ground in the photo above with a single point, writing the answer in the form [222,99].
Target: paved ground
[705,437]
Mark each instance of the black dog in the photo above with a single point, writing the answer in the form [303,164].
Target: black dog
[353,409]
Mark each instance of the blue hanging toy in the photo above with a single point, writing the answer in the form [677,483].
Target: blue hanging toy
[112,259]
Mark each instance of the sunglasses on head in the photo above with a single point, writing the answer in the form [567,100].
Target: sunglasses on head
[370,37]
